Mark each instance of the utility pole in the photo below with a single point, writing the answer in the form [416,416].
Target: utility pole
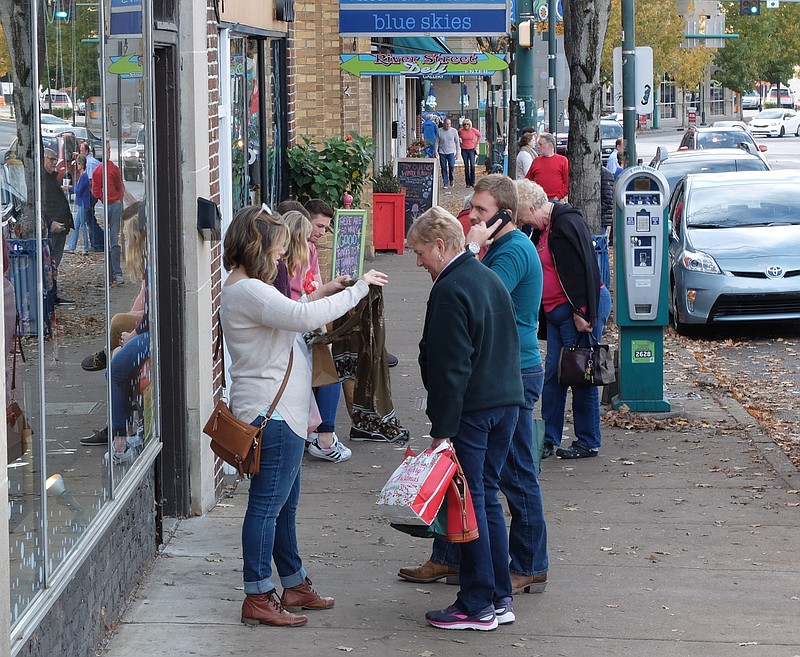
[552,91]
[524,64]
[629,81]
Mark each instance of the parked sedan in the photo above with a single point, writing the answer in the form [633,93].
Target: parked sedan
[751,100]
[776,122]
[734,248]
[83,134]
[699,138]
[51,124]
[677,164]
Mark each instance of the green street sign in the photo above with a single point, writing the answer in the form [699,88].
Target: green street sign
[127,66]
[430,65]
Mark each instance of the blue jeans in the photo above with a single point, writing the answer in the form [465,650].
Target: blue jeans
[448,164]
[561,332]
[269,530]
[468,156]
[527,538]
[123,372]
[328,403]
[113,219]
[482,444]
[81,226]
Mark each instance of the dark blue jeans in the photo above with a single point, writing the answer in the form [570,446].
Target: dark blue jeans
[328,403]
[448,164]
[123,370]
[527,538]
[269,529]
[468,156]
[561,332]
[481,445]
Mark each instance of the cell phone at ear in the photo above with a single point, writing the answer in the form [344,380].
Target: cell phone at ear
[502,216]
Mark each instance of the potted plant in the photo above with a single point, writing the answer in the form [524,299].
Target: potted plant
[389,211]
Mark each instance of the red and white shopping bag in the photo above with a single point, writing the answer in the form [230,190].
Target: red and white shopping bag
[416,490]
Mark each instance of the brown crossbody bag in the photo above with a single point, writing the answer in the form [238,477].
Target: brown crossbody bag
[235,442]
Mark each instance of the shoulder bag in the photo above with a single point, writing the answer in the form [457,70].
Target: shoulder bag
[235,442]
[585,366]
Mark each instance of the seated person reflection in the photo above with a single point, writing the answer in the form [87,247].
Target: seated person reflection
[130,332]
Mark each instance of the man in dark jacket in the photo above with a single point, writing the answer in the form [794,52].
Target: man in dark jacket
[56,216]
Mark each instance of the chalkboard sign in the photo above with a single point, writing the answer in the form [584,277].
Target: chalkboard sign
[348,243]
[420,176]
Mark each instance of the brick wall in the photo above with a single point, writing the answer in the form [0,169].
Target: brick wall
[94,600]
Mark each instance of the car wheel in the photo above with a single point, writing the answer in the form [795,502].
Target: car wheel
[783,132]
[674,316]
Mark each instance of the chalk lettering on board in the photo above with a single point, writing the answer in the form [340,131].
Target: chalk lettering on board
[420,178]
[348,243]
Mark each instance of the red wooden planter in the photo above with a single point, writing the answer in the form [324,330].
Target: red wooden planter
[389,219]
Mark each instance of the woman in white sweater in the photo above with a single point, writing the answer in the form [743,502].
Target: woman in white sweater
[261,327]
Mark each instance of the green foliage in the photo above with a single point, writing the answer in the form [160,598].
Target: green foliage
[328,169]
[386,182]
[768,47]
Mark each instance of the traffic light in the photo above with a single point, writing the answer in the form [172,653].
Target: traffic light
[749,7]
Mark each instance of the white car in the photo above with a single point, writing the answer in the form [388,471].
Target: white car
[52,125]
[776,122]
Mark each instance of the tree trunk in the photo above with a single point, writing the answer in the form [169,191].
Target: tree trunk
[16,19]
[585,23]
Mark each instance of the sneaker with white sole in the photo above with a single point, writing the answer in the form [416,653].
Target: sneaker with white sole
[504,611]
[120,458]
[336,453]
[453,618]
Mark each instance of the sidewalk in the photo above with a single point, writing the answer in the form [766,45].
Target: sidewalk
[681,542]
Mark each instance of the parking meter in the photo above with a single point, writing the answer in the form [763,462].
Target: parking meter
[641,194]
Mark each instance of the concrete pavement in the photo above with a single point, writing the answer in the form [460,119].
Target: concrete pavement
[679,540]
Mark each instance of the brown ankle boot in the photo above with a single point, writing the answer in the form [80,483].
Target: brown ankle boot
[303,596]
[267,609]
[429,572]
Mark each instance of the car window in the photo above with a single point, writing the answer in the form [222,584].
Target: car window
[610,131]
[675,170]
[770,114]
[724,206]
[720,139]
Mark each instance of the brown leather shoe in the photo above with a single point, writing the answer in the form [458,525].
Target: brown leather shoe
[528,583]
[428,572]
[303,596]
[267,609]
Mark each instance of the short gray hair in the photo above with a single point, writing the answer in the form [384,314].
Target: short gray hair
[549,138]
[437,223]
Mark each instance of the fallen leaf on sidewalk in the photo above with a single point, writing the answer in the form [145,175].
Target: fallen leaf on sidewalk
[344,649]
[703,486]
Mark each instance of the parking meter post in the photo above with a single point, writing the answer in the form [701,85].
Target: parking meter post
[552,90]
[629,80]
[641,278]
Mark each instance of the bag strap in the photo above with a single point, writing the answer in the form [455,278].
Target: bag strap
[275,401]
[218,347]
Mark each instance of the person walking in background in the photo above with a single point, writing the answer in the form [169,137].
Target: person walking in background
[526,154]
[469,362]
[613,164]
[83,204]
[429,127]
[95,232]
[575,302]
[107,177]
[469,138]
[447,148]
[512,256]
[57,217]
[549,169]
[261,328]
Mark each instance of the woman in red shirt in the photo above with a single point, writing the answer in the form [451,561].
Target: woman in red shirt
[469,138]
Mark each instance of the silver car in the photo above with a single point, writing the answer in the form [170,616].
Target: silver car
[734,248]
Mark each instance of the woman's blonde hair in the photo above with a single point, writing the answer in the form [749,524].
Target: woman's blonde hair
[253,241]
[135,247]
[297,254]
[529,194]
[437,223]
[467,123]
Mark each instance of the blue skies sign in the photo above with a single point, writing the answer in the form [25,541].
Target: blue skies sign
[386,18]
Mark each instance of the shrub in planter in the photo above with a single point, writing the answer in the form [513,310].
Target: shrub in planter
[386,182]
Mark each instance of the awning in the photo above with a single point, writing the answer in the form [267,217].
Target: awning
[413,45]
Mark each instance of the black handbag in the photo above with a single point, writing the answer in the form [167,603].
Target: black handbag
[585,366]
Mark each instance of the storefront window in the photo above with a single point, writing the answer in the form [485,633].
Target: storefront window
[72,292]
[668,98]
[717,93]
[257,126]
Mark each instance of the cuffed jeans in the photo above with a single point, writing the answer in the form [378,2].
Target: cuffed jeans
[527,537]
[328,403]
[561,332]
[448,164]
[482,444]
[269,530]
